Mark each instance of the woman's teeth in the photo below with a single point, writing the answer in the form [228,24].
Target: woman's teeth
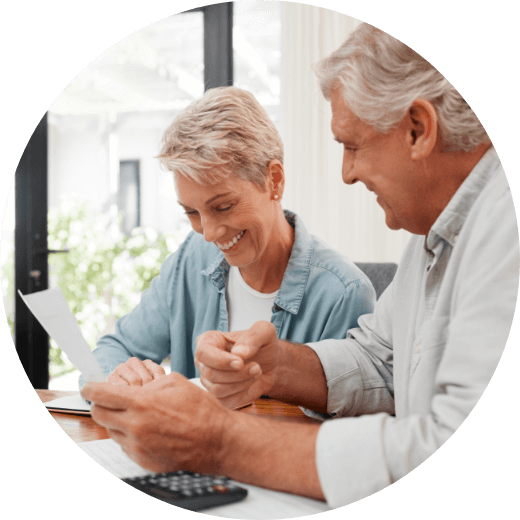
[231,243]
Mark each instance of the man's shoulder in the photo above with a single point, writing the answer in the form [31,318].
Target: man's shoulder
[494,204]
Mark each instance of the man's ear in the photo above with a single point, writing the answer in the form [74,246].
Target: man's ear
[422,128]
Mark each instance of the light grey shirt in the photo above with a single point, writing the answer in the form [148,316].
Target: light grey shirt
[415,368]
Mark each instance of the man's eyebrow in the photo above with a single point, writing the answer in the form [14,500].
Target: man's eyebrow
[213,199]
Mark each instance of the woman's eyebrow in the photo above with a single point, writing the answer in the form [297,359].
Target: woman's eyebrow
[213,199]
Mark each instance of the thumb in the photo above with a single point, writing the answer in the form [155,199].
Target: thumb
[252,340]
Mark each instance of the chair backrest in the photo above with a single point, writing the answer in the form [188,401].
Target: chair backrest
[379,273]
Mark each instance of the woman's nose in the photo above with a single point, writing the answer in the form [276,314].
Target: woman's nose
[212,230]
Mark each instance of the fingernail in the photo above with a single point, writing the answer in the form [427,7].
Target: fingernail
[255,371]
[236,364]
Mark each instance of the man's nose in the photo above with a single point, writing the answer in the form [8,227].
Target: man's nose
[348,172]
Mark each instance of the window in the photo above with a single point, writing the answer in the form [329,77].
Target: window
[108,203]
[129,196]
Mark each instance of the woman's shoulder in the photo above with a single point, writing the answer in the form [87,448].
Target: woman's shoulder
[327,262]
[194,252]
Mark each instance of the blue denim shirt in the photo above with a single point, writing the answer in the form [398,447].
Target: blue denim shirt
[322,296]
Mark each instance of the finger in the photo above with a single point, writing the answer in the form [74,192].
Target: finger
[154,369]
[216,358]
[108,395]
[128,375]
[252,340]
[141,370]
[116,379]
[249,370]
[247,396]
[223,390]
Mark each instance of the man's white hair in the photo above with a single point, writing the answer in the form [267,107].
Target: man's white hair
[224,133]
[381,77]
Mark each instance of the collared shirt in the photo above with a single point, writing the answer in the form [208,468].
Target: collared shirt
[322,296]
[404,381]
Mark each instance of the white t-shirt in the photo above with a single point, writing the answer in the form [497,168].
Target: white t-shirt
[245,305]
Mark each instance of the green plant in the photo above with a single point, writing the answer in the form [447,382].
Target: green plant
[103,274]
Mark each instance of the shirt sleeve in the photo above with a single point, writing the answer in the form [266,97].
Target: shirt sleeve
[357,456]
[144,332]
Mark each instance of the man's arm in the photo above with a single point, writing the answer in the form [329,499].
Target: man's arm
[283,454]
[300,378]
[239,367]
[171,424]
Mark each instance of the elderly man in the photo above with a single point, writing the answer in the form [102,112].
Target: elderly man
[398,386]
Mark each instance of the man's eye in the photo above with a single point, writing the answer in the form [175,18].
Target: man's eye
[190,213]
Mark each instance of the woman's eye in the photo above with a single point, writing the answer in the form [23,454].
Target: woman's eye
[225,208]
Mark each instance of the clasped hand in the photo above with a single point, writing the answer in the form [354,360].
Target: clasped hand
[238,367]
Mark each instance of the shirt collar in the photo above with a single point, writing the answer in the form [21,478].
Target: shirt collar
[296,274]
[450,221]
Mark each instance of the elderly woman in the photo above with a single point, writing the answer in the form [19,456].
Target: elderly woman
[246,259]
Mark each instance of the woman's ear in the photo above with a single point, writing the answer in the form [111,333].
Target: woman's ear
[276,178]
[422,128]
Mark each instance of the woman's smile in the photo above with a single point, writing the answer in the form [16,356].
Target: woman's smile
[228,245]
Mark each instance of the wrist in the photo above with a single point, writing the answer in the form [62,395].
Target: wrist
[224,432]
[283,370]
[299,377]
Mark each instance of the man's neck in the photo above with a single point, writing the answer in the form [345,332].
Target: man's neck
[448,170]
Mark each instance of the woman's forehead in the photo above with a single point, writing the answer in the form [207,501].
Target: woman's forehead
[190,191]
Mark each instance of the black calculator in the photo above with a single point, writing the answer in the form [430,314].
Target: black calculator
[188,490]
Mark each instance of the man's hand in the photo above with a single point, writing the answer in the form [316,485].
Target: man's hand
[136,372]
[167,425]
[238,367]
[171,424]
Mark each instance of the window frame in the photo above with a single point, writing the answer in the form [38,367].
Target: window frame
[31,201]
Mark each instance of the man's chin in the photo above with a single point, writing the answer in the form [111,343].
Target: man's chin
[392,223]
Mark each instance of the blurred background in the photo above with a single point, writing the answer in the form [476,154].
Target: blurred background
[95,213]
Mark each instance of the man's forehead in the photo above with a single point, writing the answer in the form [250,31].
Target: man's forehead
[342,116]
[343,125]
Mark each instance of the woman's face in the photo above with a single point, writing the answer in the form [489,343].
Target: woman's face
[233,214]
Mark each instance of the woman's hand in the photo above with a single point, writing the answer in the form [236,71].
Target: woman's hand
[238,367]
[135,372]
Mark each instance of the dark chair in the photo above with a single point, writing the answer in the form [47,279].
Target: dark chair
[380,274]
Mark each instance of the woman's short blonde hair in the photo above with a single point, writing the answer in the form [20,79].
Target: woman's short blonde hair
[380,77]
[225,132]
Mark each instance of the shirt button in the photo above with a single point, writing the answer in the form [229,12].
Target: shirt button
[455,238]
[419,347]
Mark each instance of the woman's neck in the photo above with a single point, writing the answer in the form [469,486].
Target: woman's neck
[266,276]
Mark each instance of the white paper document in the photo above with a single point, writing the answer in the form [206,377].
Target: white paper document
[75,404]
[51,309]
[260,504]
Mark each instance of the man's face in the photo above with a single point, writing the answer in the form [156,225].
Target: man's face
[382,163]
